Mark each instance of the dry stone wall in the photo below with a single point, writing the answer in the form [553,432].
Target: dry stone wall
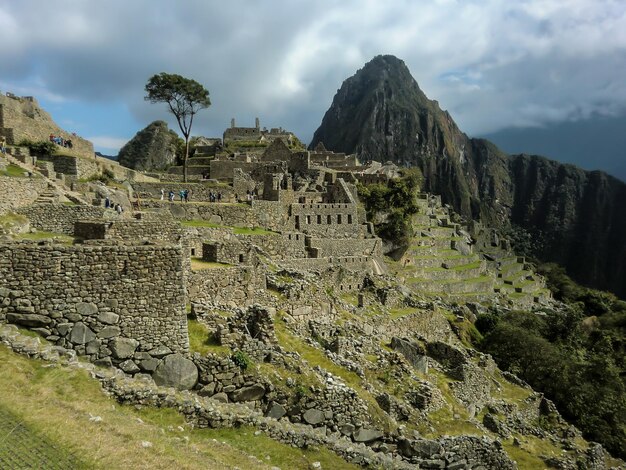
[59,218]
[230,286]
[108,302]
[19,192]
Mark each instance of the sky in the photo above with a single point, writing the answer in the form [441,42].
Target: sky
[537,76]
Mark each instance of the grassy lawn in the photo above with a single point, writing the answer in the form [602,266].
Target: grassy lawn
[197,264]
[58,237]
[202,341]
[46,400]
[14,171]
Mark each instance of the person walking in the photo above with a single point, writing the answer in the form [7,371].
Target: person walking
[162,194]
[3,145]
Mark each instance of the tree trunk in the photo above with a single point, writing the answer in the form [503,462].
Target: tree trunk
[185,159]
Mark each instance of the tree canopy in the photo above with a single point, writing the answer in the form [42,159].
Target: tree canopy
[184,98]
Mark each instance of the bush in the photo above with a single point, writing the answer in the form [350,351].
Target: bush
[242,360]
[39,148]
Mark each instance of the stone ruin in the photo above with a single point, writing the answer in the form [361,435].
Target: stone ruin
[288,236]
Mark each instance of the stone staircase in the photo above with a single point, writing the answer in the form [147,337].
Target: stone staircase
[20,156]
[440,262]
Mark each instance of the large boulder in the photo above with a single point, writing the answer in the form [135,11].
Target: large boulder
[251,393]
[176,371]
[152,148]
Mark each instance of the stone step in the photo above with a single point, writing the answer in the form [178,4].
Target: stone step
[438,260]
[482,284]
[439,232]
[458,273]
[508,270]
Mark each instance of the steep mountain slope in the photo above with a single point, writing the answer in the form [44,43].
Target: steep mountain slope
[381,114]
[152,148]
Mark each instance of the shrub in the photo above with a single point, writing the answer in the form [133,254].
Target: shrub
[242,360]
[39,148]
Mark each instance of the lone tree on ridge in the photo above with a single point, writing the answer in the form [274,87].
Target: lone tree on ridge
[184,97]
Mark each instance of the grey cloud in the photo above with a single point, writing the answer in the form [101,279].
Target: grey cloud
[284,60]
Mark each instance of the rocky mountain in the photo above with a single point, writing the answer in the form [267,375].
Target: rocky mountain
[152,148]
[574,216]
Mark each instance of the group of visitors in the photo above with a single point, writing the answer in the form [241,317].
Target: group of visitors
[215,197]
[61,141]
[109,205]
[183,194]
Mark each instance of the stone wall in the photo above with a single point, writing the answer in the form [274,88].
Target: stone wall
[198,192]
[84,168]
[326,220]
[103,301]
[19,192]
[22,118]
[59,218]
[130,229]
[340,247]
[269,215]
[229,286]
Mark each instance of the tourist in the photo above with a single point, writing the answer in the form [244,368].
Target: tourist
[118,209]
[3,145]
[181,194]
[107,202]
[186,193]
[219,197]
[171,195]
[162,194]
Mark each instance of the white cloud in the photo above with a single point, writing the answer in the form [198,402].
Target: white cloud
[491,63]
[108,142]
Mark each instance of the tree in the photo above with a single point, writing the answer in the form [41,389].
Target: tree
[184,97]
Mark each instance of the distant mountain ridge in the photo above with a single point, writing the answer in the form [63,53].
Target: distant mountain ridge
[575,216]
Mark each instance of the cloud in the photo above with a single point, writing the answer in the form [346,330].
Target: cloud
[492,64]
[108,142]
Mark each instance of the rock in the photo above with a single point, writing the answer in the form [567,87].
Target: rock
[129,367]
[276,411]
[366,435]
[64,328]
[313,416]
[93,347]
[123,348]
[109,318]
[86,309]
[160,351]
[422,448]
[149,365]
[414,353]
[208,390]
[176,371]
[28,319]
[254,392]
[81,334]
[109,332]
[152,148]
[221,397]
[347,429]
[103,362]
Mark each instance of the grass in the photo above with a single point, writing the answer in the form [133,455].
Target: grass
[202,341]
[316,357]
[48,399]
[14,171]
[197,264]
[57,237]
[199,223]
[252,231]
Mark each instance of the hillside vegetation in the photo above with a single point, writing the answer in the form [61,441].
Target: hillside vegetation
[575,355]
